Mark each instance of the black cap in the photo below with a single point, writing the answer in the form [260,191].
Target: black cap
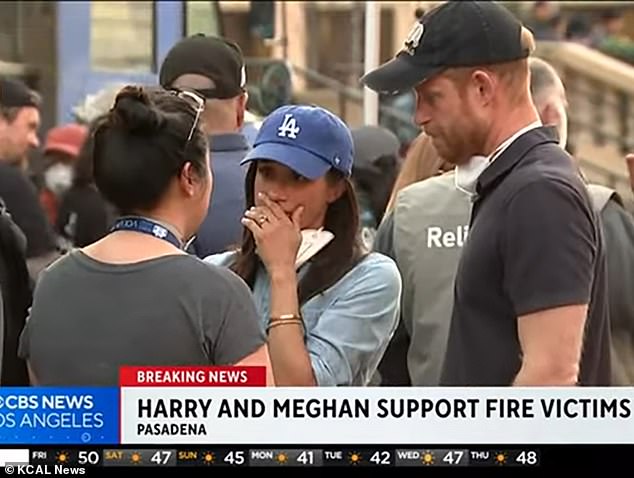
[15,94]
[454,34]
[215,58]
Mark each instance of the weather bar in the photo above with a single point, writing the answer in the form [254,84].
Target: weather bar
[281,457]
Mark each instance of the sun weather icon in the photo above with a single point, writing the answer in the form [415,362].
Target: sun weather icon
[354,458]
[62,457]
[135,458]
[500,458]
[281,458]
[208,458]
[427,457]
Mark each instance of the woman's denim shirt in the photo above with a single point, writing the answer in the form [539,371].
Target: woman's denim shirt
[349,325]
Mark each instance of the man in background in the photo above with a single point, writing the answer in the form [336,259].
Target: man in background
[19,124]
[214,68]
[19,121]
[617,224]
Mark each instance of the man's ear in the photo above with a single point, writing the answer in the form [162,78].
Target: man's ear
[549,114]
[241,108]
[485,84]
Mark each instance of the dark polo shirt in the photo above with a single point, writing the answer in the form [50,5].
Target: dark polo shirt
[534,244]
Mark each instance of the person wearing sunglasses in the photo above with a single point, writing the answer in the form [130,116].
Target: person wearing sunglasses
[214,68]
[328,306]
[136,297]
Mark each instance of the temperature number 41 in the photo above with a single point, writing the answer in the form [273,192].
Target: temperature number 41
[306,458]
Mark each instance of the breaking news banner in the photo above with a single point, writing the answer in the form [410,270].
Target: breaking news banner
[183,406]
[226,416]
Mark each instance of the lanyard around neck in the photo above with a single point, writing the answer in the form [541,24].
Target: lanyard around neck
[146,226]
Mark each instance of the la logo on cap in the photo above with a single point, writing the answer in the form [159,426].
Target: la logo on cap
[413,38]
[289,128]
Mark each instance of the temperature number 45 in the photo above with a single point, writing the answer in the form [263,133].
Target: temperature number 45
[234,458]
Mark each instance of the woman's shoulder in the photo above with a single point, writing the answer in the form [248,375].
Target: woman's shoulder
[374,270]
[223,259]
[378,263]
[185,270]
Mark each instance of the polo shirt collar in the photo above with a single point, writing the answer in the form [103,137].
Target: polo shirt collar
[229,142]
[506,160]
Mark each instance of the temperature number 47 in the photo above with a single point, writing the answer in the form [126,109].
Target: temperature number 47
[453,457]
[161,457]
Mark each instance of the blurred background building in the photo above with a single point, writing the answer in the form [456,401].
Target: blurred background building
[314,52]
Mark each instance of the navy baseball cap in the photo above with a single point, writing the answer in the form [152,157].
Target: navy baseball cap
[15,94]
[454,34]
[216,58]
[310,140]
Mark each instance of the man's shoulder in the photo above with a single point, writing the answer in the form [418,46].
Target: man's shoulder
[547,167]
[442,183]
[12,177]
[436,195]
[602,195]
[229,143]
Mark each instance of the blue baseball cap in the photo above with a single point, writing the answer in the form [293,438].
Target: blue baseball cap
[308,139]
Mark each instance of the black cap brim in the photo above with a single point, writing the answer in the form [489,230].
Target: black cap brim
[398,75]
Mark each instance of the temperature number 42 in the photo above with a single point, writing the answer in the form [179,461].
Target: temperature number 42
[380,458]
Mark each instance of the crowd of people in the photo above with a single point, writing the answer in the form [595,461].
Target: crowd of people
[163,231]
[603,30]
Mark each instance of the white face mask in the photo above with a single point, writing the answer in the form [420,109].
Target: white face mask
[58,178]
[466,176]
[313,241]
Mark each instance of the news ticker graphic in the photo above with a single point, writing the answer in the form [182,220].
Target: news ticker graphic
[206,406]
[59,415]
[278,457]
[194,415]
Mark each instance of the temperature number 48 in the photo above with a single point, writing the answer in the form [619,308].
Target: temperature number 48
[527,458]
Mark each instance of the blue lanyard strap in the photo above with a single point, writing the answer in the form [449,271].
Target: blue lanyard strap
[146,226]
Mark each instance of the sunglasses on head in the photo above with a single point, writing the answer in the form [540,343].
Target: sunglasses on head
[196,100]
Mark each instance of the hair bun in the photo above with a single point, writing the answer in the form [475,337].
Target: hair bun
[134,111]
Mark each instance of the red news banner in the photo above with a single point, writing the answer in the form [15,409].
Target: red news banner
[233,376]
[219,405]
[179,405]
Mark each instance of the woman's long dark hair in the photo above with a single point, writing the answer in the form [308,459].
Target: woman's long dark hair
[332,262]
